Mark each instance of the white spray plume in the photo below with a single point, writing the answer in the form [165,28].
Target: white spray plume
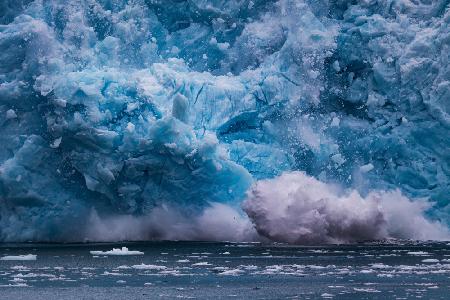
[218,222]
[293,208]
[297,208]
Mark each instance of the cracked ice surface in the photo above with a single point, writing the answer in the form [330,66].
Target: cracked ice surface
[160,108]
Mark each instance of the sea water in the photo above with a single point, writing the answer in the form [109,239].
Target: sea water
[204,270]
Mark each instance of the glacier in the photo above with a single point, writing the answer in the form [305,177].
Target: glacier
[191,119]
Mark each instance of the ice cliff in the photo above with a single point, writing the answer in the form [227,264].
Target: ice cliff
[146,119]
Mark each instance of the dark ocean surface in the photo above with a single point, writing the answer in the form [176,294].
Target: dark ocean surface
[200,270]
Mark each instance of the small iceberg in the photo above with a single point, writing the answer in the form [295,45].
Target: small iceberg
[149,267]
[117,251]
[419,253]
[430,260]
[19,257]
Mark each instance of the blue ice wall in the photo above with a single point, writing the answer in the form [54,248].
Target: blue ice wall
[124,106]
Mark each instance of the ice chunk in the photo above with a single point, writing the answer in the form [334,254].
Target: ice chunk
[134,107]
[180,107]
[430,260]
[11,114]
[149,267]
[19,257]
[201,264]
[421,253]
[366,168]
[118,251]
[56,143]
[232,272]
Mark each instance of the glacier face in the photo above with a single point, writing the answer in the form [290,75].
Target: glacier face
[140,108]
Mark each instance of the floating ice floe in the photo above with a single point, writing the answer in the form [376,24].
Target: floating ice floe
[430,260]
[117,251]
[203,263]
[19,257]
[421,253]
[326,295]
[149,267]
[15,285]
[366,290]
[233,272]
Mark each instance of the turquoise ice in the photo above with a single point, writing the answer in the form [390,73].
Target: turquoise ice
[126,106]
